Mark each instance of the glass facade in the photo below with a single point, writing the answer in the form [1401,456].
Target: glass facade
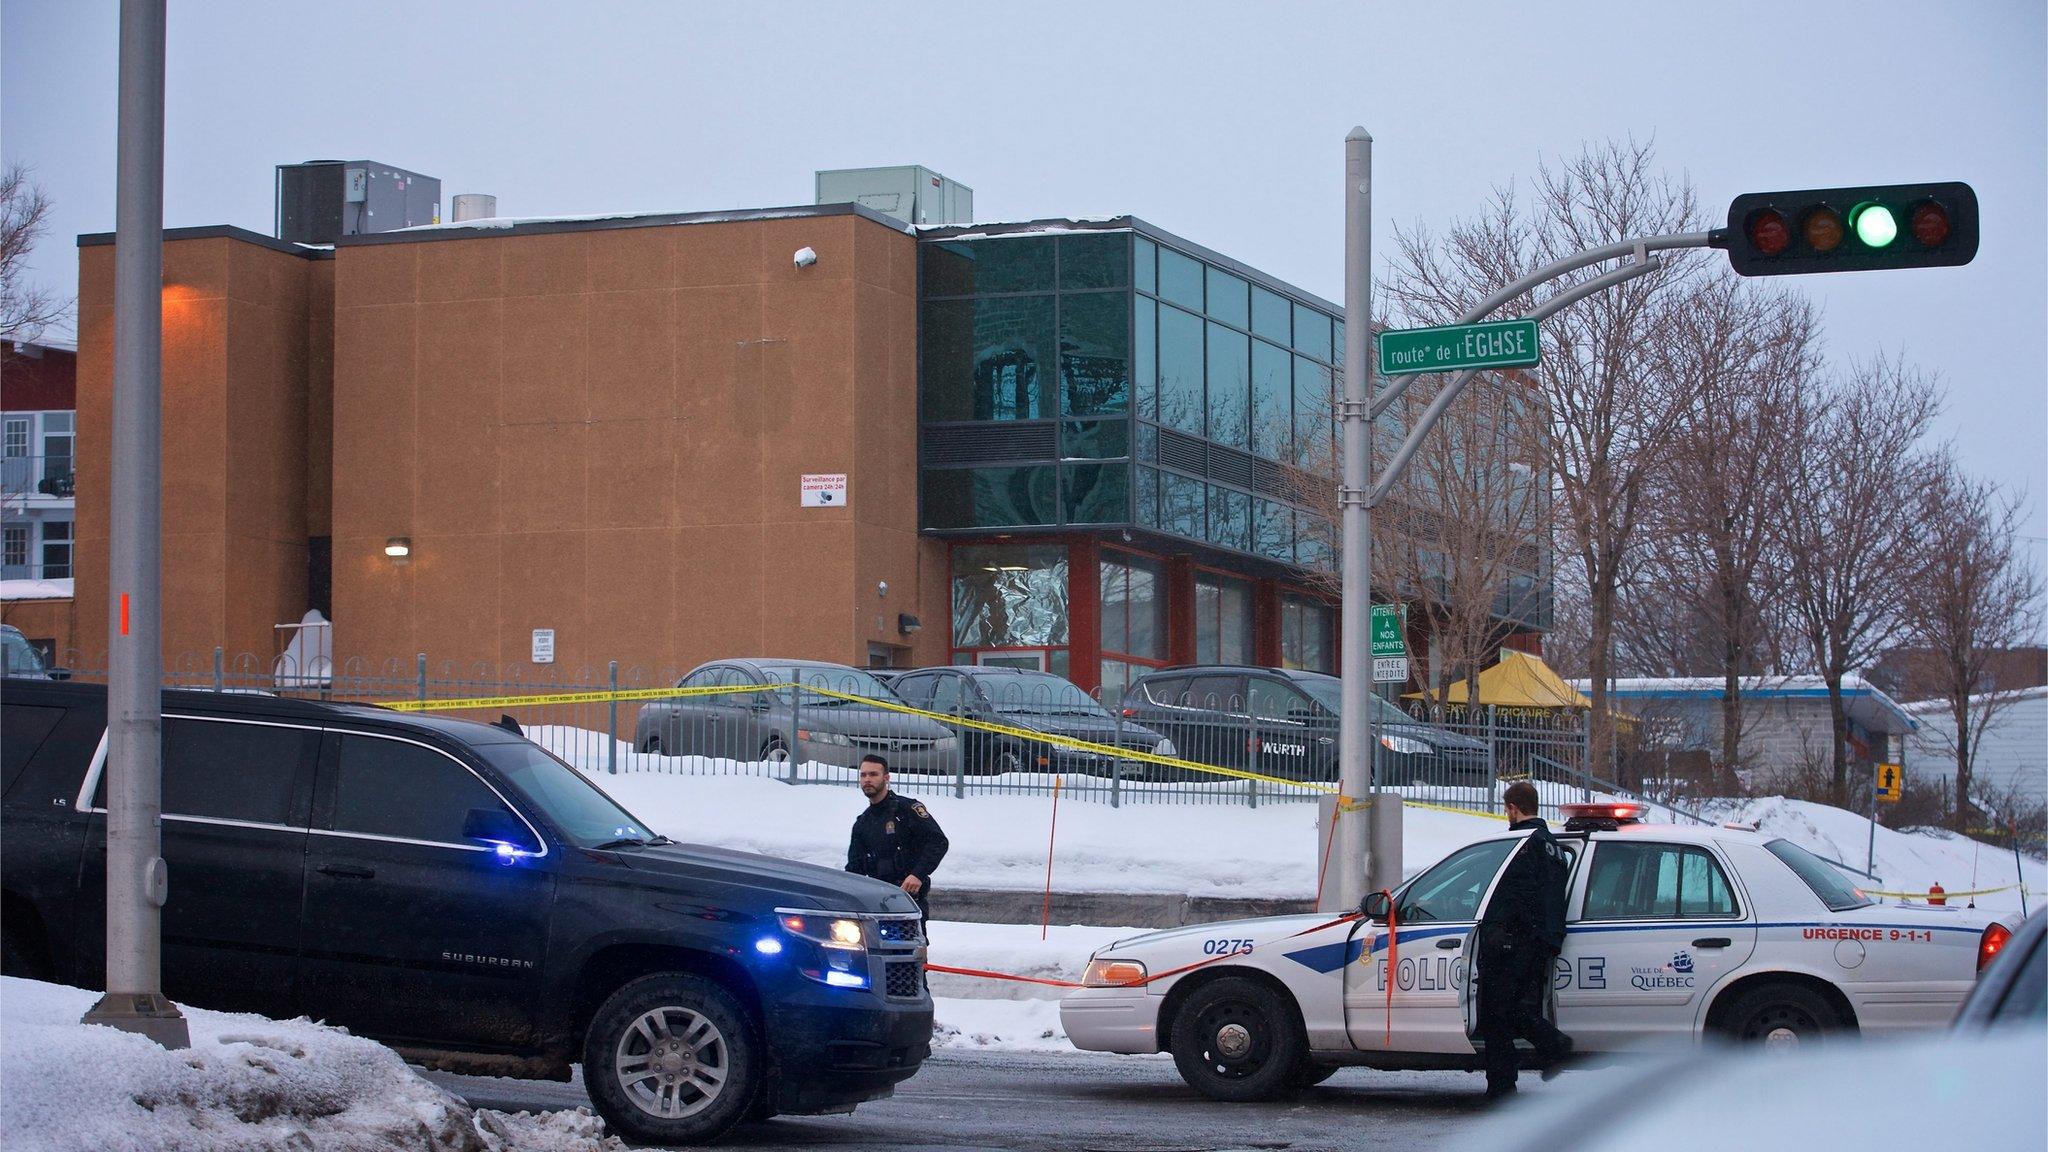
[1053,367]
[1223,620]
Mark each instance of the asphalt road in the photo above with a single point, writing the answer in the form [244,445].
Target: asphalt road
[1081,1102]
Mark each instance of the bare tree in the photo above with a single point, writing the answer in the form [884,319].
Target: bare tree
[1847,522]
[1707,601]
[1975,596]
[1611,400]
[24,216]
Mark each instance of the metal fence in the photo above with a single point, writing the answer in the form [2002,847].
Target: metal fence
[812,724]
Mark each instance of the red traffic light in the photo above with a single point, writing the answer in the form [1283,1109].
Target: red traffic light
[1850,229]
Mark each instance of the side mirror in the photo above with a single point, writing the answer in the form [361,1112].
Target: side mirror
[1375,907]
[499,827]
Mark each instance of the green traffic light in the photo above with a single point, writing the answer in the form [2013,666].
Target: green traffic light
[1875,225]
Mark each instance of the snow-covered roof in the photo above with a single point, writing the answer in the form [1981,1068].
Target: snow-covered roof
[1866,703]
[1923,707]
[36,589]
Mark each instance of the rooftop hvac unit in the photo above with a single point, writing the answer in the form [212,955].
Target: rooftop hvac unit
[321,201]
[912,194]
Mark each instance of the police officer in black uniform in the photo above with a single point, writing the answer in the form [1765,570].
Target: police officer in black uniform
[895,840]
[1520,934]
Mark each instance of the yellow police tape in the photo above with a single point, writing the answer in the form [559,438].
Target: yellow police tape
[1943,895]
[606,695]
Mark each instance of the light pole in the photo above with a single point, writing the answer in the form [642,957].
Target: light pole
[137,880]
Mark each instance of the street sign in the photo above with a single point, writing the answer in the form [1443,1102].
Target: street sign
[1389,648]
[1494,344]
[1890,779]
[822,490]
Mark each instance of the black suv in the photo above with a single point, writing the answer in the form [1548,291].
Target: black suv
[1283,722]
[1028,701]
[459,893]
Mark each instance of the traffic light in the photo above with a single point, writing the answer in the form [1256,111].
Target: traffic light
[1850,229]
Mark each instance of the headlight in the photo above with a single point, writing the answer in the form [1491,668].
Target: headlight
[945,743]
[1113,974]
[1165,748]
[824,738]
[1405,746]
[833,932]
[837,951]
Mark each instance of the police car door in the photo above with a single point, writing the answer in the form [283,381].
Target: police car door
[1574,851]
[1433,914]
[1657,926]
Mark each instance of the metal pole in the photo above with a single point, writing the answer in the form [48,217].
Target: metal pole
[611,748]
[137,880]
[1354,723]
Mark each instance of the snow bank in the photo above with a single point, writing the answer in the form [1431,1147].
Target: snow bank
[246,1084]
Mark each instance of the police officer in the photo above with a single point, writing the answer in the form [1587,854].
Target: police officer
[895,840]
[1520,934]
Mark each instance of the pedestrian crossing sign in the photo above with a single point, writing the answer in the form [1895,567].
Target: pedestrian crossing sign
[1889,781]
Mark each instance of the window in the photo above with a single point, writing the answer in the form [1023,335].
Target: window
[234,771]
[1311,332]
[990,497]
[946,694]
[1223,620]
[1095,493]
[1305,629]
[1451,891]
[1095,360]
[1825,879]
[1180,279]
[1095,439]
[1181,505]
[915,691]
[1217,693]
[56,549]
[14,440]
[392,788]
[1227,298]
[1229,387]
[1636,881]
[1145,498]
[1133,606]
[1230,519]
[1145,356]
[1270,315]
[1313,439]
[1144,262]
[1180,370]
[987,359]
[1273,531]
[1094,260]
[1272,700]
[15,549]
[1272,413]
[960,268]
[579,809]
[1010,596]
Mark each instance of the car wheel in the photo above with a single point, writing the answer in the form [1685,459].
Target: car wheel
[1004,761]
[1236,1040]
[671,1059]
[775,752]
[652,746]
[1781,1016]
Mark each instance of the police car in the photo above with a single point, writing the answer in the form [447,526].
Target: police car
[1673,933]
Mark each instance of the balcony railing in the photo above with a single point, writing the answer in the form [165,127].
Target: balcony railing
[38,476]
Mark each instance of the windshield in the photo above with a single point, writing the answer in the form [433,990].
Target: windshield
[1038,694]
[582,812]
[848,680]
[1826,880]
[1327,692]
[21,656]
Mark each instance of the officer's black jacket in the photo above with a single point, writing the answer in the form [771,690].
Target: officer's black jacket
[1528,903]
[896,838]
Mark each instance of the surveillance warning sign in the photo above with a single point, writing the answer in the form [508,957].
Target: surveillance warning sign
[823,490]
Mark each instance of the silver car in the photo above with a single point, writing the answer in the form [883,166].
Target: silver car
[748,721]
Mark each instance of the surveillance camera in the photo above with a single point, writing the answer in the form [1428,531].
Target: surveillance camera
[805,257]
[882,588]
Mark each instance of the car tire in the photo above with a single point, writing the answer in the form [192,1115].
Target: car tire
[1003,761]
[1309,1073]
[672,1059]
[652,746]
[1780,1016]
[1236,1040]
[775,752]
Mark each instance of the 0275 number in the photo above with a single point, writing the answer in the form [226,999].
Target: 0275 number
[1226,947]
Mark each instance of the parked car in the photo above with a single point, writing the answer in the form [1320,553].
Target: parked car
[1033,702]
[754,722]
[455,891]
[1673,935]
[20,658]
[1283,722]
[2014,986]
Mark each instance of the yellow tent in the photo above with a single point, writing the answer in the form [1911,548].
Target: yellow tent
[1518,681]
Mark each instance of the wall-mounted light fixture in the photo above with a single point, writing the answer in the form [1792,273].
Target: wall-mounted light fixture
[907,624]
[399,548]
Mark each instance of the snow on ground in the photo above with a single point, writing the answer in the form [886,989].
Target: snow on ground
[976,1012]
[246,1084]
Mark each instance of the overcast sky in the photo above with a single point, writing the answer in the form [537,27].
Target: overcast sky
[1221,122]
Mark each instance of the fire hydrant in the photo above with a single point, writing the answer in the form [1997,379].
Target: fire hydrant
[1936,894]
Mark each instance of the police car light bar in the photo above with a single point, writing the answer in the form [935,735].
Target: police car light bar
[1608,813]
